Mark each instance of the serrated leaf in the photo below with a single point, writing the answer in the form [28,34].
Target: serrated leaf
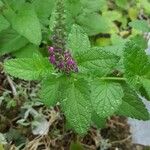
[115,49]
[28,68]
[146,85]
[50,90]
[98,121]
[11,41]
[140,41]
[135,62]
[78,41]
[140,25]
[106,97]
[4,24]
[144,93]
[27,24]
[117,46]
[96,61]
[27,51]
[132,106]
[76,105]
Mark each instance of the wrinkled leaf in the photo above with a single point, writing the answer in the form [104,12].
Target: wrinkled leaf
[27,24]
[106,97]
[76,105]
[28,68]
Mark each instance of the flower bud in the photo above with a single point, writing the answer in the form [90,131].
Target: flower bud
[51,50]
[52,59]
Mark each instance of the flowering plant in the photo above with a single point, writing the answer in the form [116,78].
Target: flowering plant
[90,83]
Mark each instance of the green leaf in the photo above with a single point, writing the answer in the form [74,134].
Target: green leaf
[73,7]
[99,121]
[43,9]
[1,4]
[135,62]
[9,14]
[1,147]
[93,6]
[115,49]
[76,104]
[27,24]
[106,97]
[76,146]
[112,15]
[11,41]
[93,23]
[28,68]
[121,3]
[140,25]
[117,46]
[4,24]
[145,5]
[144,93]
[140,41]
[78,40]
[146,85]
[132,106]
[96,61]
[15,4]
[27,52]
[50,90]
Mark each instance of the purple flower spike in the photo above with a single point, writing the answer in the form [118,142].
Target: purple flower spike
[70,62]
[52,59]
[67,55]
[62,60]
[51,50]
[61,65]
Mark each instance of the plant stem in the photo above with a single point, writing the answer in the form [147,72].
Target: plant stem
[113,78]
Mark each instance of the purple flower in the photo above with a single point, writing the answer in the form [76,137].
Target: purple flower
[67,54]
[61,65]
[52,59]
[51,50]
[70,62]
[62,60]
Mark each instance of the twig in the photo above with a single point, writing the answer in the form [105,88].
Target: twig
[88,147]
[14,91]
[117,123]
[121,141]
